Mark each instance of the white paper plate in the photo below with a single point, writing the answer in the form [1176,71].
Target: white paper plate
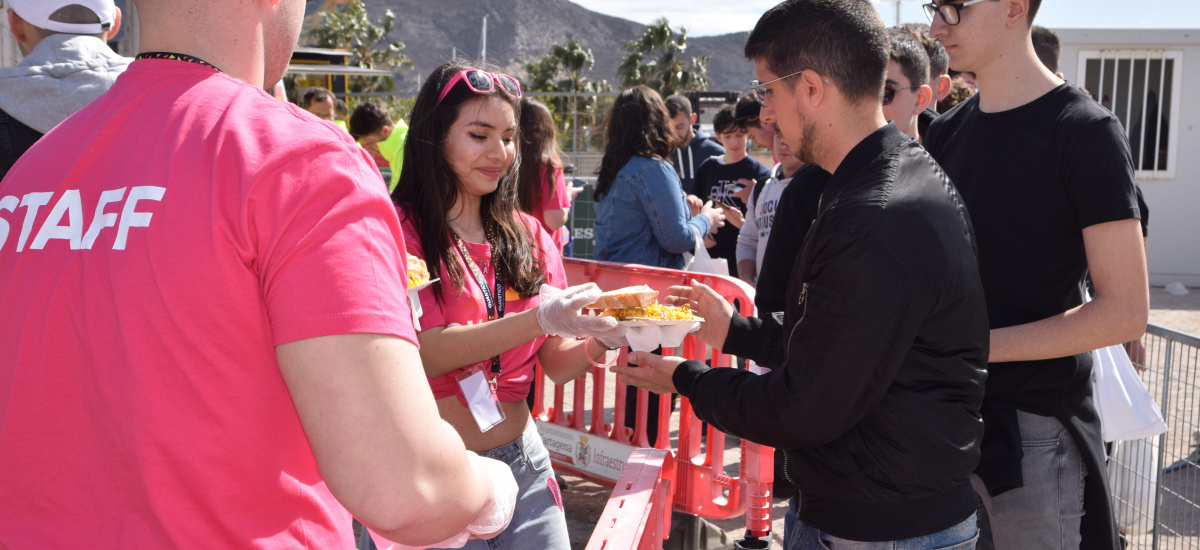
[423,285]
[649,334]
[414,302]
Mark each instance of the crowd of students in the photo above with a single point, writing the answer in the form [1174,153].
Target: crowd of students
[224,353]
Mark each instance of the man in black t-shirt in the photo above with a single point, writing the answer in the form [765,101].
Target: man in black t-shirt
[720,176]
[1047,178]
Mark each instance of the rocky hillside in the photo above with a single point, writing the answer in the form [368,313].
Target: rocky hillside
[523,30]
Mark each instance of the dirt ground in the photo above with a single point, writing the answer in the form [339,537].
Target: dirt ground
[584,500]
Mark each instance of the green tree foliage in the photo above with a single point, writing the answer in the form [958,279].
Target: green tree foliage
[563,69]
[656,60]
[349,27]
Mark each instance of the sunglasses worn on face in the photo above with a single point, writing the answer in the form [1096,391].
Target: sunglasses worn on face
[482,82]
[951,13]
[889,92]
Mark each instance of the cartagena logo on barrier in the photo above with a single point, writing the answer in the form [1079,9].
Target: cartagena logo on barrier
[582,451]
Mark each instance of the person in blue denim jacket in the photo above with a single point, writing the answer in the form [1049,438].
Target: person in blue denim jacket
[641,215]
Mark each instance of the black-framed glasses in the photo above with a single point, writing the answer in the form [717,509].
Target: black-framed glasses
[890,89]
[951,13]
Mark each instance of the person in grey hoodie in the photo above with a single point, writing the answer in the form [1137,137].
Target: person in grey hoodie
[67,64]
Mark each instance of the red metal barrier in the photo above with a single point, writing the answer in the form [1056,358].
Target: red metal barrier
[638,514]
[599,451]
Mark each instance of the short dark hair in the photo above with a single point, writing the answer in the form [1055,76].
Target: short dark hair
[315,94]
[746,111]
[1047,46]
[939,60]
[908,53]
[678,104]
[367,119]
[842,40]
[724,122]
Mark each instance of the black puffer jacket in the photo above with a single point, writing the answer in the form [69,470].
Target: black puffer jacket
[880,358]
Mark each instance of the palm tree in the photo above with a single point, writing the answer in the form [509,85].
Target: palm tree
[656,60]
[563,69]
[346,25]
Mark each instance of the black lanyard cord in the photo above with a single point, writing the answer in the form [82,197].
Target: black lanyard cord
[493,301]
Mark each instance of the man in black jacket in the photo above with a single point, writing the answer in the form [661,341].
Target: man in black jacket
[879,360]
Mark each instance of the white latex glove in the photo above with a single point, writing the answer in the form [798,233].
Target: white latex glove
[559,313]
[613,337]
[490,522]
[504,498]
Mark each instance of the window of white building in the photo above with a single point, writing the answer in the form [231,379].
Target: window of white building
[1142,88]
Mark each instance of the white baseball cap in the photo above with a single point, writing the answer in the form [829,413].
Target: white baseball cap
[38,13]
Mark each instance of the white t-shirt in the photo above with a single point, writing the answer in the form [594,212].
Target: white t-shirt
[752,241]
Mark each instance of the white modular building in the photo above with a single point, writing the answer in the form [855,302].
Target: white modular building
[1146,77]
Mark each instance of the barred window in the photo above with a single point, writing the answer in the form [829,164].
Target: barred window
[1142,88]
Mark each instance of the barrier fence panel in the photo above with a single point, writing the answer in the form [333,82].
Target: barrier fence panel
[638,514]
[1156,482]
[596,445]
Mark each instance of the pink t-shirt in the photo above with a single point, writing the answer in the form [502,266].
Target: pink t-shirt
[467,308]
[154,249]
[558,185]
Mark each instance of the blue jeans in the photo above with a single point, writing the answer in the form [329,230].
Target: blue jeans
[538,520]
[1046,512]
[800,536]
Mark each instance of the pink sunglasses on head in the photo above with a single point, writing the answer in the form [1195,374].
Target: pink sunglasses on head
[482,82]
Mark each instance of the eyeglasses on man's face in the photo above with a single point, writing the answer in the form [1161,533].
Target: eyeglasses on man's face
[951,13]
[760,92]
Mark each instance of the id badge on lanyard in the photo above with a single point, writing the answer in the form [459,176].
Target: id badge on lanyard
[481,397]
[478,384]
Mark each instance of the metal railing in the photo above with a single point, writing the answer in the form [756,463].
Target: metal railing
[1156,482]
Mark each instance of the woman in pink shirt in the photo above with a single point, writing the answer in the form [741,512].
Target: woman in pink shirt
[541,187]
[498,302]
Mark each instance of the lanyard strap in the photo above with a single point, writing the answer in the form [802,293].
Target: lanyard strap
[493,302]
[177,57]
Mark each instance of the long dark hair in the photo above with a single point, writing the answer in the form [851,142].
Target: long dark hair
[428,187]
[539,154]
[637,125]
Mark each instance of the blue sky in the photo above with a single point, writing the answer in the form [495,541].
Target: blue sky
[709,17]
